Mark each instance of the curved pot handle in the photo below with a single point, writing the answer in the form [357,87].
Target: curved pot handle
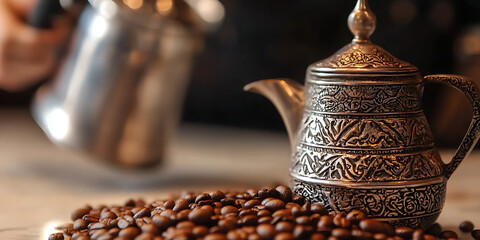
[471,91]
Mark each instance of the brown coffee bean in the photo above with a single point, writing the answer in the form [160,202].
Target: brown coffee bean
[476,234]
[314,218]
[361,235]
[355,216]
[380,236]
[114,231]
[96,233]
[302,232]
[56,236]
[318,236]
[284,236]
[265,220]
[161,222]
[228,224]
[228,201]
[298,199]
[144,212]
[202,197]
[79,224]
[149,228]
[183,215]
[466,226]
[108,214]
[418,234]
[404,232]
[252,203]
[170,204]
[248,220]
[284,193]
[274,205]
[267,193]
[215,236]
[266,231]
[229,209]
[249,229]
[374,226]
[217,195]
[240,202]
[298,211]
[170,214]
[200,231]
[284,226]
[264,213]
[303,220]
[448,234]
[325,222]
[123,223]
[145,236]
[98,225]
[200,216]
[246,212]
[340,221]
[129,232]
[341,233]
[91,218]
[180,204]
[190,197]
[236,235]
[254,236]
[429,237]
[319,208]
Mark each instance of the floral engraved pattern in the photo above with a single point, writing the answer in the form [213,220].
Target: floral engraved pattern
[363,56]
[363,98]
[394,132]
[366,168]
[397,203]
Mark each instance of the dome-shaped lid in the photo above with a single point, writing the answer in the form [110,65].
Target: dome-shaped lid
[362,56]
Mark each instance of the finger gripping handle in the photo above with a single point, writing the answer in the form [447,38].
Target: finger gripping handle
[471,91]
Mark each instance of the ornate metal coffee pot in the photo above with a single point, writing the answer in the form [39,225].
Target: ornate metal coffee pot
[359,135]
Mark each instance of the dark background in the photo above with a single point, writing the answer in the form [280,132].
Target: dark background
[278,38]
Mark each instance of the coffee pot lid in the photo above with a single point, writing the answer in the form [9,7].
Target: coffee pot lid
[361,55]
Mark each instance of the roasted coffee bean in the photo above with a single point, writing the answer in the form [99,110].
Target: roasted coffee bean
[129,232]
[284,193]
[202,197]
[355,216]
[418,234]
[274,204]
[161,222]
[298,199]
[284,236]
[200,216]
[229,209]
[215,236]
[466,226]
[236,235]
[56,236]
[252,203]
[404,232]
[144,212]
[284,226]
[180,204]
[320,209]
[447,234]
[267,193]
[79,224]
[342,233]
[270,213]
[476,234]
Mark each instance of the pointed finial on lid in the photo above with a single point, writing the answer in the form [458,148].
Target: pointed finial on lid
[362,22]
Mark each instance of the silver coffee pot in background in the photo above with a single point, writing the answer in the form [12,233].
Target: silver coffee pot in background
[118,93]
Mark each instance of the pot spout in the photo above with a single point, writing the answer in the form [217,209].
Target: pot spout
[287,96]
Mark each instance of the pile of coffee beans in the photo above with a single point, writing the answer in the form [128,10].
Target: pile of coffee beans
[269,213]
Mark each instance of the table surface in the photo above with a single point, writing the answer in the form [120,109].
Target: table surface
[40,183]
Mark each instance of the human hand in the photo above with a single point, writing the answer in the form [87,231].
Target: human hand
[27,55]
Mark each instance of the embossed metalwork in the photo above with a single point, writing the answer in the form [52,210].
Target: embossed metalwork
[363,98]
[361,138]
[394,204]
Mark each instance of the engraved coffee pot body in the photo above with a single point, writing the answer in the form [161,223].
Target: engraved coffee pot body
[360,139]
